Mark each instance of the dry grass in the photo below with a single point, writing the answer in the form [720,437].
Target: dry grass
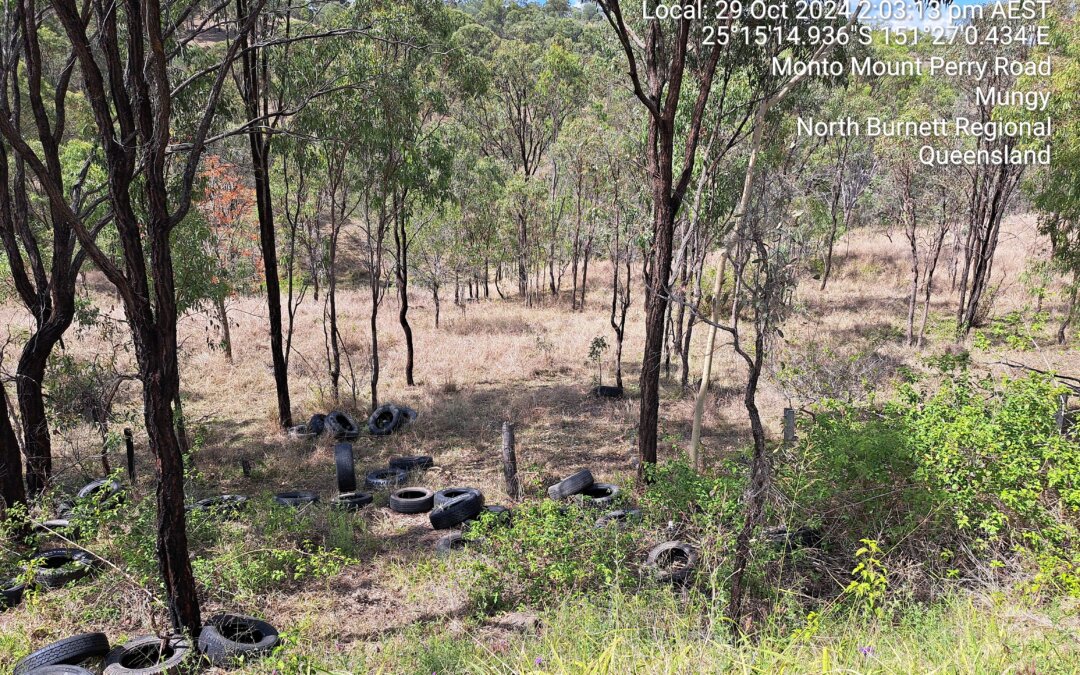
[490,361]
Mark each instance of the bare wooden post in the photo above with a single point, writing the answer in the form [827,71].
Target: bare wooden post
[509,460]
[789,427]
[129,444]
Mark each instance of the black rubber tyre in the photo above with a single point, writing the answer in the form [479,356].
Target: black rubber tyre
[604,391]
[599,494]
[448,544]
[443,496]
[412,500]
[385,420]
[296,498]
[672,562]
[60,670]
[571,485]
[317,424]
[104,490]
[144,656]
[11,593]
[301,431]
[227,639]
[342,426]
[346,467]
[226,505]
[620,517]
[57,526]
[500,514]
[783,538]
[352,501]
[384,479]
[456,511]
[412,463]
[408,415]
[69,651]
[49,566]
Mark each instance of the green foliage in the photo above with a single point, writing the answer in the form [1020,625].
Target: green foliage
[678,493]
[996,461]
[1016,330]
[871,580]
[548,550]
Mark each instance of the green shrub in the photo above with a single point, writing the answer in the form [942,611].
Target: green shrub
[995,459]
[549,549]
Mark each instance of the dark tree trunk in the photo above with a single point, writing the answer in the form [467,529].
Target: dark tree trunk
[435,299]
[754,498]
[401,243]
[37,444]
[11,480]
[253,92]
[655,313]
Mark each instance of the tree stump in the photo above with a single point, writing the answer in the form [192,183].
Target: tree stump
[509,460]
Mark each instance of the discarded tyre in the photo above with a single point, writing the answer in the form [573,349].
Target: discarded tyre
[600,494]
[230,638]
[445,495]
[571,485]
[500,515]
[408,415]
[103,491]
[412,500]
[456,511]
[11,593]
[352,501]
[346,469]
[608,392]
[672,562]
[448,544]
[384,479]
[59,670]
[619,517]
[67,652]
[412,463]
[57,527]
[301,431]
[148,655]
[342,426]
[59,567]
[317,424]
[789,540]
[225,505]
[385,420]
[296,498]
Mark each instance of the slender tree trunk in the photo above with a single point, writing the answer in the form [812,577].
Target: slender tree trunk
[226,336]
[523,243]
[259,141]
[655,313]
[914,292]
[402,270]
[1070,311]
[829,253]
[374,356]
[754,498]
[584,275]
[706,369]
[435,299]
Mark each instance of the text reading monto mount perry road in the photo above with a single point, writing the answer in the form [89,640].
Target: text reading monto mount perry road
[986,49]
